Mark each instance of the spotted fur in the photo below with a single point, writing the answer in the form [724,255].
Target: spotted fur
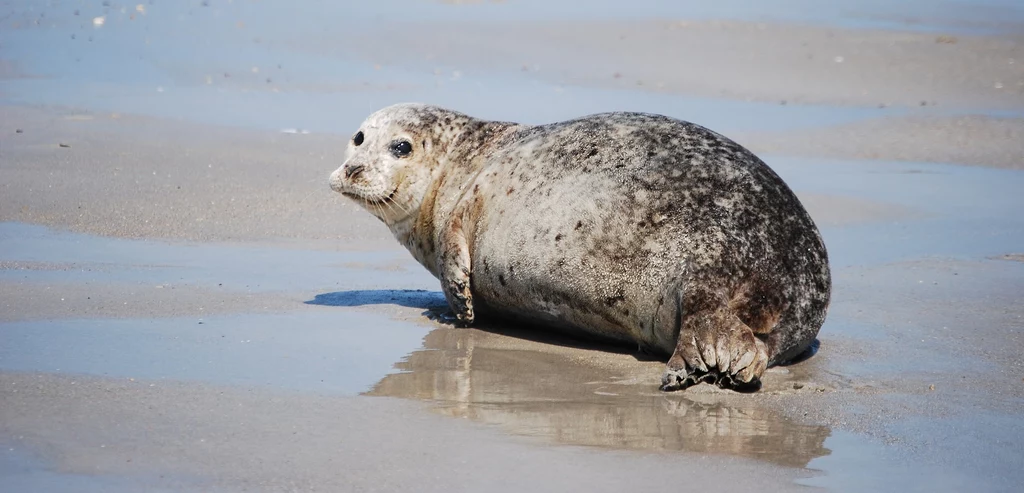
[628,227]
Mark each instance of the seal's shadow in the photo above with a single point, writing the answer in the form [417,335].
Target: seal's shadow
[412,298]
[436,308]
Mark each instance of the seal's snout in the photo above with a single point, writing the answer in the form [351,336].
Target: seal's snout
[352,170]
[343,177]
[337,180]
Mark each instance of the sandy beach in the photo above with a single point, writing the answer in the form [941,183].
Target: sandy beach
[185,305]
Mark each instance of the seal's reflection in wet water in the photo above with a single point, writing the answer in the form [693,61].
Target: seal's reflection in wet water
[533,383]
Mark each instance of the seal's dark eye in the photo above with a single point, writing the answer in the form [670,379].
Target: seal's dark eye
[401,148]
[357,138]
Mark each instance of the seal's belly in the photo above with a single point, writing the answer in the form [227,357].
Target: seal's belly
[575,262]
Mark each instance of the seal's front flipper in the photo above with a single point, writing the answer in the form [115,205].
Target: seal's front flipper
[715,346]
[454,268]
[456,290]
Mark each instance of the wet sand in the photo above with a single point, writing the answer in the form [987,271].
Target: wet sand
[185,306]
[724,59]
[962,139]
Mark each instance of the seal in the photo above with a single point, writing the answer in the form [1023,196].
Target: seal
[633,228]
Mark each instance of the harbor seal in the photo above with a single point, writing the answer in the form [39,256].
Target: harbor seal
[629,227]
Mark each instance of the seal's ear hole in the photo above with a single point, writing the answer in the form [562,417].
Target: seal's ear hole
[357,139]
[400,148]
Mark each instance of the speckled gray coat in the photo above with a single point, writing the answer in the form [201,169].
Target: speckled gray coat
[629,227]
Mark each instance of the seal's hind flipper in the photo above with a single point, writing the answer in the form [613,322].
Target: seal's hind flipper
[714,346]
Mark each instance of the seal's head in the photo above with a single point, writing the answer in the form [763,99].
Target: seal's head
[390,161]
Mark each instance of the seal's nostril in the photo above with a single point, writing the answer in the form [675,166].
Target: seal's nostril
[353,170]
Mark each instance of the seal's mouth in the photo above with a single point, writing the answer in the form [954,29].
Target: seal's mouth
[369,201]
